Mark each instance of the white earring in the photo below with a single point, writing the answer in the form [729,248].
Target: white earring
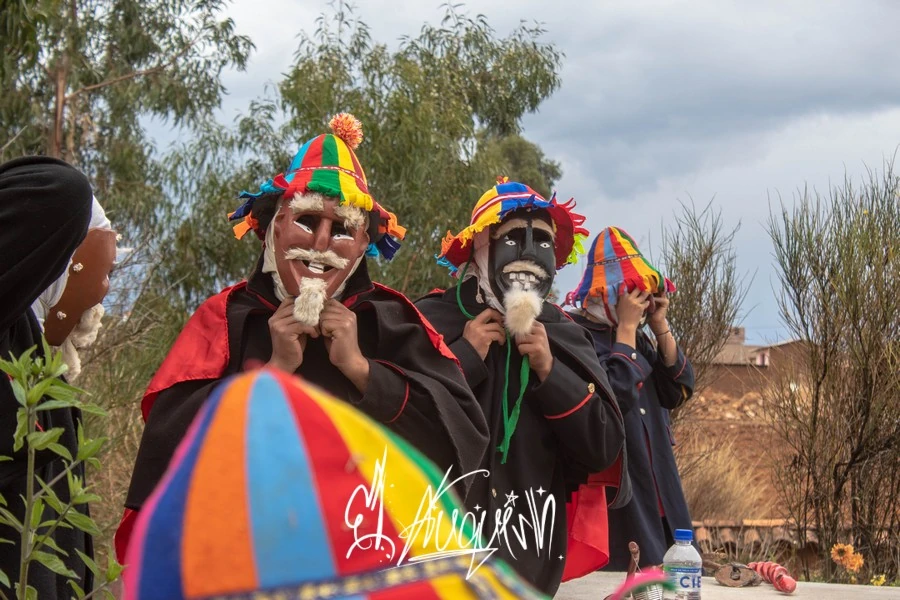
[60,315]
[77,267]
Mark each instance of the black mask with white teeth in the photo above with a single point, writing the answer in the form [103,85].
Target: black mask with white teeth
[523,280]
[523,258]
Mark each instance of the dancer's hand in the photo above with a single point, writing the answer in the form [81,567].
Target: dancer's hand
[484,330]
[659,308]
[289,338]
[631,307]
[338,325]
[536,347]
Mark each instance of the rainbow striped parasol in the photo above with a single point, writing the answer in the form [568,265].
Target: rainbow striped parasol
[276,491]
[616,261]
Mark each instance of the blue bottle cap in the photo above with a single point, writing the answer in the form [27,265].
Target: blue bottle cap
[684,535]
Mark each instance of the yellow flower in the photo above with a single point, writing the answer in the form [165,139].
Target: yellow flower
[879,580]
[840,552]
[854,562]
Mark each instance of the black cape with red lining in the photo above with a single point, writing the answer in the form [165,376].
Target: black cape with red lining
[569,440]
[415,386]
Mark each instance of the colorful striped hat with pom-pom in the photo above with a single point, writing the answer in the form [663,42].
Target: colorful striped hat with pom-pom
[504,198]
[327,164]
[616,261]
[261,500]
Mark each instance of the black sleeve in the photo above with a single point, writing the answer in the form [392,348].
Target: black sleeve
[586,424]
[169,419]
[423,394]
[45,208]
[472,365]
[675,384]
[626,369]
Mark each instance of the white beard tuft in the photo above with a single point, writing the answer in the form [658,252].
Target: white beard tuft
[310,301]
[521,308]
[84,335]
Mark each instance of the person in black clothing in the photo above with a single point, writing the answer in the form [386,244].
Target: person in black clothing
[619,292]
[552,416]
[45,208]
[310,308]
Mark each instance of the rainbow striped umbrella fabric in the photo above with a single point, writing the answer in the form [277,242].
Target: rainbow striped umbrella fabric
[257,501]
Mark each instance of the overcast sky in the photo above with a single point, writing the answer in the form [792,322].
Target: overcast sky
[662,101]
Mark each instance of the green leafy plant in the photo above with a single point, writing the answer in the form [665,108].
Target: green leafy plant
[441,113]
[37,385]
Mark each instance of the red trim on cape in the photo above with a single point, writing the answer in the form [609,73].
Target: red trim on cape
[398,370]
[123,534]
[200,352]
[562,311]
[571,410]
[436,338]
[203,344]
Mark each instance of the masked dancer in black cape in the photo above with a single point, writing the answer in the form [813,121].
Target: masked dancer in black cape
[556,432]
[620,293]
[310,308]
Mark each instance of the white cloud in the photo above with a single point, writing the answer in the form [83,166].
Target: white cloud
[816,150]
[662,99]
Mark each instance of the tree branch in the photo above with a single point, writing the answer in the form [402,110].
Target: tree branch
[134,74]
[118,79]
[14,138]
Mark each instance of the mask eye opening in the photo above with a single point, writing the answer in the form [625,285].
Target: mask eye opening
[307,222]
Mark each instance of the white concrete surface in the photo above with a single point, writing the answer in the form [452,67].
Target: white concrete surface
[598,585]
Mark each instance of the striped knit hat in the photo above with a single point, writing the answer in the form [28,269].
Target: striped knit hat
[256,503]
[504,198]
[328,165]
[615,260]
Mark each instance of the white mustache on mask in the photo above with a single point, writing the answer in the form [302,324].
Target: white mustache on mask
[327,258]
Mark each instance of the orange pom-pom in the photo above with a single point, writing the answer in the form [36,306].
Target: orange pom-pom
[348,128]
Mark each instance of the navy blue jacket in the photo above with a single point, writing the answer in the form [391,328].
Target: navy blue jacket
[646,391]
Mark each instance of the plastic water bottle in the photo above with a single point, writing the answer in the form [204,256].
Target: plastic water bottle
[684,567]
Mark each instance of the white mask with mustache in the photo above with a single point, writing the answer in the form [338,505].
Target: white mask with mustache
[311,298]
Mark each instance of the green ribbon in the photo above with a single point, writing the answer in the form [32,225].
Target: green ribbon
[510,420]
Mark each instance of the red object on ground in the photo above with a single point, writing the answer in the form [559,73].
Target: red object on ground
[785,583]
[775,574]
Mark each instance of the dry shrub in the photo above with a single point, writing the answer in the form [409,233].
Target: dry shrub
[838,260]
[698,256]
[718,485]
[116,372]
